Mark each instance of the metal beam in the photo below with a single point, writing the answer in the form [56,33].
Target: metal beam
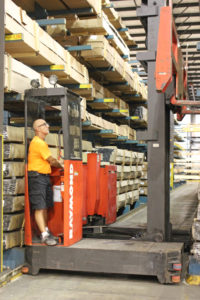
[2,9]
[158,221]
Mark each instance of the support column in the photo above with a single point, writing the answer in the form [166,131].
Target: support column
[158,225]
[1,124]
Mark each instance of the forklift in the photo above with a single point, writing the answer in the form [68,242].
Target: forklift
[156,249]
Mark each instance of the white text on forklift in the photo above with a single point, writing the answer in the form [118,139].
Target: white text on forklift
[71,200]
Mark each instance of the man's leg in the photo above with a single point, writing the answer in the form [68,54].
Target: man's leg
[40,219]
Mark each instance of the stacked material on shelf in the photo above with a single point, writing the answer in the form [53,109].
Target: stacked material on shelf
[13,239]
[99,97]
[90,6]
[143,180]
[188,165]
[139,111]
[17,76]
[129,170]
[30,44]
[82,28]
[116,21]
[103,55]
[97,123]
[13,186]
[195,250]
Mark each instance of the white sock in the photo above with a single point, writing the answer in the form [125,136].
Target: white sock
[44,234]
[47,229]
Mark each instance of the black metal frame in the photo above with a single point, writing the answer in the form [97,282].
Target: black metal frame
[158,219]
[60,97]
[2,9]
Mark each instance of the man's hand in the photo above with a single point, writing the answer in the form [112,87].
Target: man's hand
[55,163]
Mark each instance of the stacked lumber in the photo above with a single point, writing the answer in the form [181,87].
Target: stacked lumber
[143,180]
[100,98]
[82,28]
[116,21]
[13,186]
[13,239]
[140,112]
[55,5]
[34,47]
[17,76]
[195,250]
[129,171]
[95,123]
[116,69]
[187,168]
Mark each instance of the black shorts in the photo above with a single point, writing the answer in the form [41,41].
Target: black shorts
[40,190]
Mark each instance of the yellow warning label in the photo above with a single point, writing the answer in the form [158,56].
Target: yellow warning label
[85,86]
[14,37]
[57,67]
[109,100]
[123,110]
[134,118]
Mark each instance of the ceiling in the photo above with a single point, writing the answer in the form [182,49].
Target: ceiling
[187,18]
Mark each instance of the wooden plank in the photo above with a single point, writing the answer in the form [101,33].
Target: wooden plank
[13,222]
[13,169]
[13,239]
[13,203]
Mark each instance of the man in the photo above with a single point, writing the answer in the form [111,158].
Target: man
[40,161]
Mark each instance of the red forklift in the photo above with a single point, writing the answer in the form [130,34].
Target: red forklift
[83,194]
[155,248]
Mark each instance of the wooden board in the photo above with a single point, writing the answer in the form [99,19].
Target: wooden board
[12,221]
[13,186]
[13,239]
[13,169]
[13,151]
[13,134]
[13,203]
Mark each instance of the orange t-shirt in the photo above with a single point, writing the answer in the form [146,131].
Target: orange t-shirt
[37,155]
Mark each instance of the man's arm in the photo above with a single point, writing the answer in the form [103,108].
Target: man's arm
[54,162]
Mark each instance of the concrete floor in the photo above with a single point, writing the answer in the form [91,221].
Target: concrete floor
[58,285]
[53,285]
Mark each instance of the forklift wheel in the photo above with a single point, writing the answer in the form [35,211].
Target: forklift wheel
[25,270]
[28,269]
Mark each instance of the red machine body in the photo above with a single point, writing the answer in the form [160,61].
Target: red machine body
[65,218]
[108,193]
[169,61]
[101,189]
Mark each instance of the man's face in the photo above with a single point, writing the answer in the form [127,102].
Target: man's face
[43,127]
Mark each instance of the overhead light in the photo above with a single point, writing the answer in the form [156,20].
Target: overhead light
[53,80]
[35,83]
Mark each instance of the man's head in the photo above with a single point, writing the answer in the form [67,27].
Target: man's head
[41,128]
